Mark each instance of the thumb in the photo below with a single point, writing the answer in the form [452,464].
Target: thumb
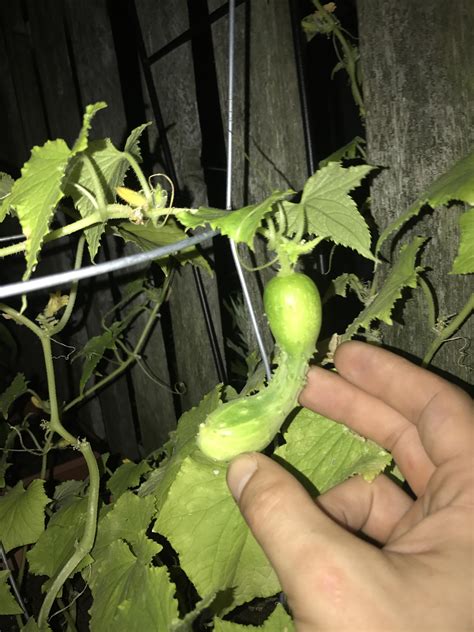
[308,550]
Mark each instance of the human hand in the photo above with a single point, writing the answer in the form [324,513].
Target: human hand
[421,577]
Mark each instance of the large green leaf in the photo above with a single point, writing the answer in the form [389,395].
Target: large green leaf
[456,184]
[351,150]
[464,262]
[204,526]
[90,112]
[328,453]
[8,604]
[17,388]
[127,519]
[180,445]
[241,225]
[35,195]
[22,514]
[127,476]
[278,621]
[6,185]
[330,211]
[32,626]
[57,543]
[110,167]
[403,274]
[130,595]
[147,236]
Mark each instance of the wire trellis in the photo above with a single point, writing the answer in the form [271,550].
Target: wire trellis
[87,272]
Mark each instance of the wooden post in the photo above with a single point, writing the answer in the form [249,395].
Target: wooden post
[418,60]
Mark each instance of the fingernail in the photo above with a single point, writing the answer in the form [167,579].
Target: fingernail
[240,471]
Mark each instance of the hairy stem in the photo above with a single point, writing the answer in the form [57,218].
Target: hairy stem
[73,292]
[449,330]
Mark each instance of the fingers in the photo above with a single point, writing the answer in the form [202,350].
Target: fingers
[372,508]
[299,540]
[331,395]
[442,413]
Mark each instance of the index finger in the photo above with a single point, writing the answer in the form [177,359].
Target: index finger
[441,412]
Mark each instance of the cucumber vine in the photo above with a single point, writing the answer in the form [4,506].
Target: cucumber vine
[107,539]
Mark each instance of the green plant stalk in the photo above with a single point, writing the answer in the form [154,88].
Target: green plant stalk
[449,330]
[114,211]
[134,354]
[351,71]
[430,301]
[141,178]
[86,543]
[73,292]
[348,54]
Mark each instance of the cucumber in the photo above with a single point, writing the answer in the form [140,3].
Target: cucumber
[293,308]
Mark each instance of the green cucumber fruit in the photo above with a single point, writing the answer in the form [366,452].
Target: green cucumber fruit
[293,308]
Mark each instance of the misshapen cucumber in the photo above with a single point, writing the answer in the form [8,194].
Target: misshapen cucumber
[293,309]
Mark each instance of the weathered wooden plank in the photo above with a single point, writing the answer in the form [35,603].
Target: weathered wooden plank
[13,149]
[174,81]
[417,65]
[95,62]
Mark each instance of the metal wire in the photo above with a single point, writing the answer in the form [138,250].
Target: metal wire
[129,261]
[230,133]
[12,238]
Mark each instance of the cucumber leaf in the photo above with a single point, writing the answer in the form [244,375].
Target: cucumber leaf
[6,185]
[403,274]
[342,283]
[456,184]
[126,520]
[17,388]
[82,139]
[57,543]
[200,508]
[279,620]
[130,595]
[241,225]
[127,476]
[35,195]
[180,445]
[146,237]
[8,603]
[328,453]
[110,167]
[351,150]
[329,210]
[32,626]
[94,350]
[22,514]
[464,262]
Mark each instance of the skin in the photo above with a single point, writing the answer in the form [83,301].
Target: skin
[417,574]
